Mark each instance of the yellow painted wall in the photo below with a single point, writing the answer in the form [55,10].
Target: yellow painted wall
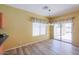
[75,38]
[18,26]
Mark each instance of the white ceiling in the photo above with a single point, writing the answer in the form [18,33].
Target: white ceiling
[57,9]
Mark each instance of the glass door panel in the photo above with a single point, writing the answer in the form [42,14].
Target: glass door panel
[57,31]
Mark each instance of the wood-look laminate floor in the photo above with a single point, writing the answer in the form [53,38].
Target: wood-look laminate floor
[48,47]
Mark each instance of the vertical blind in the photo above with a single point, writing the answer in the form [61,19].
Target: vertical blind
[39,27]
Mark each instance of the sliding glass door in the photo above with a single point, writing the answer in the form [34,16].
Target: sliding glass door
[66,32]
[63,31]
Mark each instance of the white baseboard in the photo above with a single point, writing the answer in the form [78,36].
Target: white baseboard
[25,45]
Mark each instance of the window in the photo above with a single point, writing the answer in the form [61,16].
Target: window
[36,29]
[43,29]
[39,28]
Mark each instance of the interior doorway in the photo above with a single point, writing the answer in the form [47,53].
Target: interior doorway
[63,31]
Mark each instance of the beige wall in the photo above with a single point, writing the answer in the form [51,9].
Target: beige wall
[75,38]
[76,31]
[18,26]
